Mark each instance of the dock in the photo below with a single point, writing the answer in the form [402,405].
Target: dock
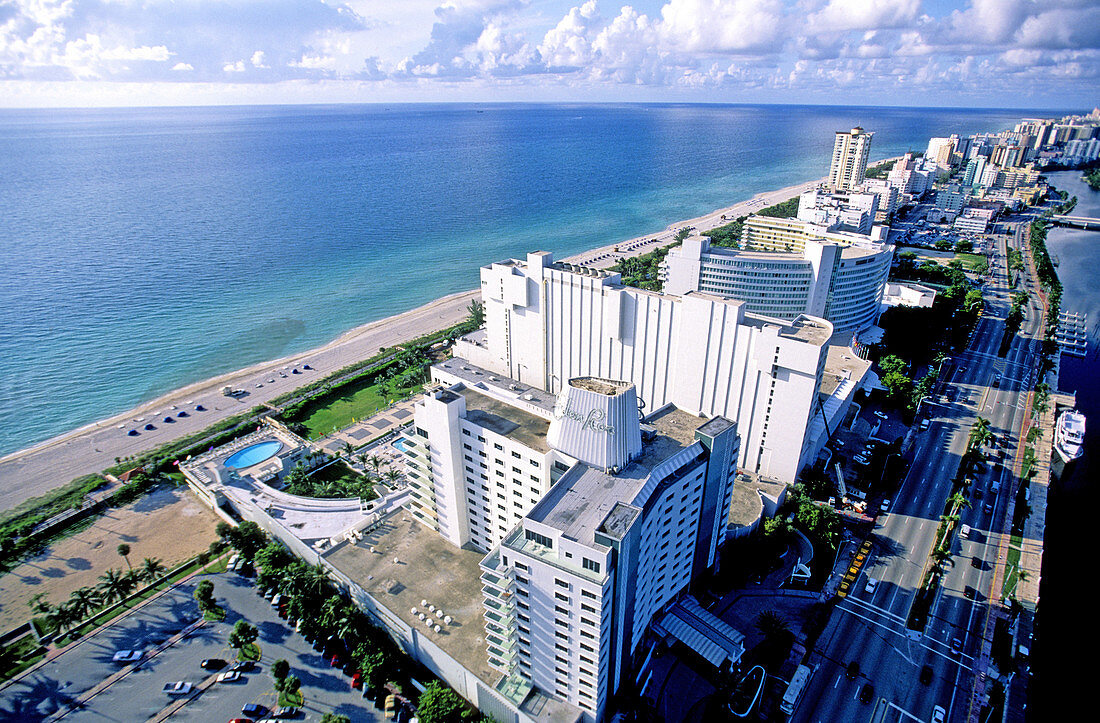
[1073,333]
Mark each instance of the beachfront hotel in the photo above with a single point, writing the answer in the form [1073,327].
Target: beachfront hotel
[841,283]
[594,518]
[849,163]
[548,322]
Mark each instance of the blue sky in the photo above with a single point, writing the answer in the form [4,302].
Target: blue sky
[1000,53]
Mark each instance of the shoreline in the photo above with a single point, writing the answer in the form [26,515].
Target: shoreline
[51,463]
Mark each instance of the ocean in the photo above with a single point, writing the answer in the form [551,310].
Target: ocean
[145,249]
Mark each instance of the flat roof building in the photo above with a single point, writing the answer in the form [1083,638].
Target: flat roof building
[840,283]
[548,322]
[849,162]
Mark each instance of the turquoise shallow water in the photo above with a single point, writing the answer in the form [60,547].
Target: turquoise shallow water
[144,249]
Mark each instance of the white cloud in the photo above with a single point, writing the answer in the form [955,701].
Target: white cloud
[863,15]
[183,66]
[723,26]
[258,59]
[237,67]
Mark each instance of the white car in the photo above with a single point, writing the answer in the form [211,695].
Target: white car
[880,415]
[872,583]
[127,656]
[885,506]
[180,687]
[229,676]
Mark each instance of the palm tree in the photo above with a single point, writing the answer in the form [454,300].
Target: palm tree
[62,617]
[392,476]
[349,451]
[771,624]
[151,568]
[958,500]
[124,550]
[84,601]
[941,556]
[376,462]
[980,433]
[114,586]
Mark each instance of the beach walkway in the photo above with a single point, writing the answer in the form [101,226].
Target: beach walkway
[92,448]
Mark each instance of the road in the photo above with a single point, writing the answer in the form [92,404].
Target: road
[869,628]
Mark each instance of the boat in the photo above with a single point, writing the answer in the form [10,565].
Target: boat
[747,692]
[1069,435]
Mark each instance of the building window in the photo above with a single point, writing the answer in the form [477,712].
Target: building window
[590,565]
[561,583]
[497,445]
[540,539]
[421,432]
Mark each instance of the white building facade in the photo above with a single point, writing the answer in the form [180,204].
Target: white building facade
[840,283]
[547,323]
[849,162]
[570,592]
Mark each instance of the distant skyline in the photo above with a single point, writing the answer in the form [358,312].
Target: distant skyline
[976,53]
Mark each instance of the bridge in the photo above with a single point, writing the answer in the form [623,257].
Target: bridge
[1089,224]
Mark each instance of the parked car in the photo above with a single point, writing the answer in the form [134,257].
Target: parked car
[872,583]
[866,693]
[885,506]
[254,710]
[180,687]
[880,415]
[852,671]
[243,666]
[213,664]
[127,656]
[938,714]
[926,674]
[287,711]
[229,676]
[956,645]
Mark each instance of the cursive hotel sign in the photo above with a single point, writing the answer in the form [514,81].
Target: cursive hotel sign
[594,420]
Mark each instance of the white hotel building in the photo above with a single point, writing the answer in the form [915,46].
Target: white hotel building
[549,322]
[595,519]
[841,283]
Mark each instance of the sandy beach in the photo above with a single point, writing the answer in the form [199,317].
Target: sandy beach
[36,470]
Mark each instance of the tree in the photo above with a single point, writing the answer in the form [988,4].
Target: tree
[476,310]
[114,585]
[84,601]
[124,550]
[247,538]
[280,669]
[980,433]
[243,634]
[62,617]
[204,594]
[349,451]
[771,624]
[892,364]
[392,476]
[973,301]
[151,568]
[440,704]
[335,718]
[375,664]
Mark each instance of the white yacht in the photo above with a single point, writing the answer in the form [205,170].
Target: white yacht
[1069,435]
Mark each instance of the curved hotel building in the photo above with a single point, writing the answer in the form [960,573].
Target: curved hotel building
[839,282]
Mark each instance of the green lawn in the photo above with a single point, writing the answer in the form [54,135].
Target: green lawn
[972,261]
[1012,565]
[355,403]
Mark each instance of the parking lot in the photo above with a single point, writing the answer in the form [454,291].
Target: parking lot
[137,695]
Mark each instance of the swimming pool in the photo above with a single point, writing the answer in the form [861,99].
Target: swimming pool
[399,444]
[254,454]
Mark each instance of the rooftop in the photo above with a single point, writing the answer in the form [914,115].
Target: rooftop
[599,386]
[841,363]
[582,500]
[401,562]
[505,419]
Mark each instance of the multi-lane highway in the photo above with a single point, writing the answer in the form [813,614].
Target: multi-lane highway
[912,673]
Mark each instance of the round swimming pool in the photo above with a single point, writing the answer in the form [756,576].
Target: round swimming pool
[255,454]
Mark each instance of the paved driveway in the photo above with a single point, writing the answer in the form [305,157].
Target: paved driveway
[136,695]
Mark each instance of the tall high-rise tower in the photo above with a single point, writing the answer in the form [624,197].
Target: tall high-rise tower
[850,151]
